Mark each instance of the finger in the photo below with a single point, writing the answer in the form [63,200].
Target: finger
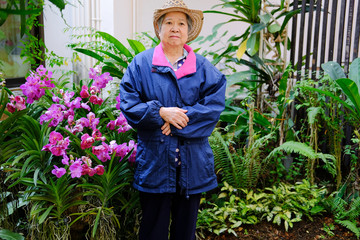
[175,124]
[167,130]
[185,117]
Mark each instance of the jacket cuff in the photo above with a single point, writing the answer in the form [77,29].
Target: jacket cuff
[154,107]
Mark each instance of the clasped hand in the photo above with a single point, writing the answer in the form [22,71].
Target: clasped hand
[174,116]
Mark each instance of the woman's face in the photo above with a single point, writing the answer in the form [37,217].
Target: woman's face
[174,29]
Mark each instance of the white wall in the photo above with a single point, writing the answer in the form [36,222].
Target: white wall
[121,18]
[55,37]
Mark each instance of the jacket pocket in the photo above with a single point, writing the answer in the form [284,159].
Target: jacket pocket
[201,165]
[150,166]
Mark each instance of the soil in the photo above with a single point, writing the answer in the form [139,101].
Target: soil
[305,230]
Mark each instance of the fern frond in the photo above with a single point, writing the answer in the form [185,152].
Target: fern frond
[294,147]
[330,166]
[351,225]
[313,112]
[354,211]
[223,158]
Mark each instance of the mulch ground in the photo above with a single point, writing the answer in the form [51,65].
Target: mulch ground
[305,230]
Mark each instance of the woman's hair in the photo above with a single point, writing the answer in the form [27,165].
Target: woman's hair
[189,22]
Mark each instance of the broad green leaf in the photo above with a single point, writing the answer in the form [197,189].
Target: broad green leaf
[3,17]
[59,3]
[119,46]
[224,13]
[19,12]
[354,72]
[137,46]
[8,235]
[23,19]
[240,52]
[289,16]
[45,214]
[334,70]
[118,60]
[351,90]
[257,27]
[114,72]
[329,94]
[222,195]
[274,28]
[283,83]
[96,224]
[265,18]
[252,44]
[238,77]
[90,53]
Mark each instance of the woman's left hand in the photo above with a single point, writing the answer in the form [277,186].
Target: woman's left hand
[166,130]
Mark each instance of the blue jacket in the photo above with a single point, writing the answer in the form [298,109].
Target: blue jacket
[150,83]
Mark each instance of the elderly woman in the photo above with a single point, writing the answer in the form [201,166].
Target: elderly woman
[173,97]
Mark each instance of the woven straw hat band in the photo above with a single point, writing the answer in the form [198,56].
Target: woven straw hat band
[174,3]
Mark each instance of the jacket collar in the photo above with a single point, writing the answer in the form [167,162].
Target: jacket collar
[189,67]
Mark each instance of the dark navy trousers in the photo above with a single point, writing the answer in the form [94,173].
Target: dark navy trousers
[161,210]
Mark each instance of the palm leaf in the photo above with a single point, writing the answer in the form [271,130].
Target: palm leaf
[122,49]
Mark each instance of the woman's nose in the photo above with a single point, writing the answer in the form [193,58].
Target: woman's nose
[175,29]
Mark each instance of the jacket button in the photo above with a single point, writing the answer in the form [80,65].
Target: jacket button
[188,142]
[162,140]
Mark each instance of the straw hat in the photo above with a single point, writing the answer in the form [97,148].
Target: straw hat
[196,16]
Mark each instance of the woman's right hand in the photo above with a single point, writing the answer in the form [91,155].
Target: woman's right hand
[175,116]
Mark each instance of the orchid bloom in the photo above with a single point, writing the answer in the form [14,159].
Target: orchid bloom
[58,172]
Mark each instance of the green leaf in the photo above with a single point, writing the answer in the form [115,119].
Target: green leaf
[350,88]
[96,224]
[238,77]
[334,70]
[116,58]
[252,44]
[289,16]
[45,214]
[224,13]
[20,12]
[317,209]
[354,72]
[59,3]
[119,46]
[313,112]
[274,28]
[3,17]
[8,235]
[90,53]
[114,72]
[329,94]
[257,27]
[265,18]
[23,19]
[283,83]
[137,46]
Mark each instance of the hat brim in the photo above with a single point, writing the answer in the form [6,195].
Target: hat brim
[196,16]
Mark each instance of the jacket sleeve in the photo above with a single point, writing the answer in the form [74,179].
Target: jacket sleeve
[205,113]
[139,114]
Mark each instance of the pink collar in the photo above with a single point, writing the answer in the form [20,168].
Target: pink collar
[189,67]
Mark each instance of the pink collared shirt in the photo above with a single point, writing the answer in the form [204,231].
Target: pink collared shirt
[189,66]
